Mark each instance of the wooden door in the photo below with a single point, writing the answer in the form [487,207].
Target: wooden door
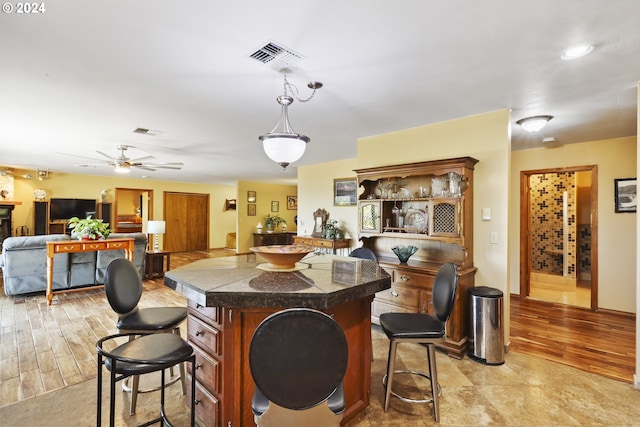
[187,221]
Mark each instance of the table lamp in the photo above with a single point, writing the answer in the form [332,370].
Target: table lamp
[156,228]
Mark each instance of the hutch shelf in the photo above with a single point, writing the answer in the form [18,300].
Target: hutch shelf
[428,205]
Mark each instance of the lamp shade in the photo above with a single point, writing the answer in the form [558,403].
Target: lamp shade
[156,227]
[284,148]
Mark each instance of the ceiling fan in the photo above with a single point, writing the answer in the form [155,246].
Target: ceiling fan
[123,164]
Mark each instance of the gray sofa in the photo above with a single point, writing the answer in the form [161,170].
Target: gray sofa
[24,263]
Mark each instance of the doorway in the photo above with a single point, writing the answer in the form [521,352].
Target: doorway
[558,235]
[133,207]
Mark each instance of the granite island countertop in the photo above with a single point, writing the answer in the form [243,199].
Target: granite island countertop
[318,281]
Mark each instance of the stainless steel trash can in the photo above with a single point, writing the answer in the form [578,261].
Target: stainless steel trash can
[486,327]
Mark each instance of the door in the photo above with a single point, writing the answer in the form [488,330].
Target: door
[558,241]
[187,222]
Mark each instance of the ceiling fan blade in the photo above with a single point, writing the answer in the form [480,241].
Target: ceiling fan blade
[82,157]
[141,166]
[139,159]
[167,167]
[105,155]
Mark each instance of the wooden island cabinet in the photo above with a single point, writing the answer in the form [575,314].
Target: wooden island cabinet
[229,297]
[428,205]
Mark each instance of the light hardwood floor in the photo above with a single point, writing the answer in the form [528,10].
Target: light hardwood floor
[44,348]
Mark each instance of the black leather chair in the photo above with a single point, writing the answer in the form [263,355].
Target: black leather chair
[123,287]
[143,355]
[422,329]
[298,359]
[364,253]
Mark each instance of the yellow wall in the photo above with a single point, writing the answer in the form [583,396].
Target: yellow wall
[315,184]
[89,187]
[265,194]
[616,158]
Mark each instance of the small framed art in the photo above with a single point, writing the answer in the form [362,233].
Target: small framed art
[345,191]
[275,206]
[625,195]
[251,196]
[292,202]
[251,209]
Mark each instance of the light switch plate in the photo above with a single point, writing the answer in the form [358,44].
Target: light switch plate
[493,237]
[486,214]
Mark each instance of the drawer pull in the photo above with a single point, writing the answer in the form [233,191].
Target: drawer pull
[394,294]
[198,333]
[404,278]
[198,365]
[197,401]
[198,305]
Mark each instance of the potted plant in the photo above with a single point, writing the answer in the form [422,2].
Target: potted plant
[271,222]
[332,230]
[88,228]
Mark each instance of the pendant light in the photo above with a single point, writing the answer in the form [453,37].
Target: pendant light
[283,145]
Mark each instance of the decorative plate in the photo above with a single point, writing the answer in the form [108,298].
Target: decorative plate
[40,194]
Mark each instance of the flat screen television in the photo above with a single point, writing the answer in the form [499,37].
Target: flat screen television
[63,209]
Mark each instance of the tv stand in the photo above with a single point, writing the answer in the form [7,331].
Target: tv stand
[43,224]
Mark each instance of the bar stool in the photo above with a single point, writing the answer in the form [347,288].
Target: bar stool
[143,355]
[422,329]
[123,287]
[298,358]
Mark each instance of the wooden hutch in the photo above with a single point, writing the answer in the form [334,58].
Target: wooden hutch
[428,205]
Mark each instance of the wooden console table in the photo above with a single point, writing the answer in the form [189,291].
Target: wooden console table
[71,246]
[318,242]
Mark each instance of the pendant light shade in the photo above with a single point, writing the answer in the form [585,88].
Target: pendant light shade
[283,145]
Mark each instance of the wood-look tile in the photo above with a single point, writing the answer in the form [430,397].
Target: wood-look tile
[10,391]
[27,357]
[68,367]
[31,383]
[9,368]
[52,380]
[46,361]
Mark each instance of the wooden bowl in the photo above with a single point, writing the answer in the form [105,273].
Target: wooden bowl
[282,256]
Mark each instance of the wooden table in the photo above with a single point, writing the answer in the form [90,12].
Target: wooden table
[325,244]
[229,297]
[155,264]
[72,246]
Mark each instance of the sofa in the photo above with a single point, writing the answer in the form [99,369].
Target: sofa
[24,263]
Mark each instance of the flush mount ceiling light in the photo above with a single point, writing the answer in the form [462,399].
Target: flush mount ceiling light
[534,123]
[283,145]
[576,52]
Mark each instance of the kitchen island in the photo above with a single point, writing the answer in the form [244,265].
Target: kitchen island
[229,297]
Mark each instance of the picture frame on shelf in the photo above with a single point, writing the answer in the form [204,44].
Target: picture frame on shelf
[292,203]
[275,206]
[345,192]
[251,209]
[625,190]
[251,196]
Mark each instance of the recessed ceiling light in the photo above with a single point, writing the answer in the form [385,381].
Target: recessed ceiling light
[576,52]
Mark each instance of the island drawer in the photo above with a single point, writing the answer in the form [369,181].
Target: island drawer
[207,369]
[207,406]
[410,278]
[208,314]
[203,335]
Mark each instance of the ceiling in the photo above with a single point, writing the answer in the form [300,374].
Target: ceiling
[82,76]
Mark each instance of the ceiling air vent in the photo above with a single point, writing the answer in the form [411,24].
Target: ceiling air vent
[149,132]
[276,52]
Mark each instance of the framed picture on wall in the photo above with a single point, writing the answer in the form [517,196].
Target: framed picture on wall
[292,202]
[251,209]
[345,191]
[275,206]
[251,196]
[625,195]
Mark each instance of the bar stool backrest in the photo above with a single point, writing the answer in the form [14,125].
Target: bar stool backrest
[123,286]
[445,287]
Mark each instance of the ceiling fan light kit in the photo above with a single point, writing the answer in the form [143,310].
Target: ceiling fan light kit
[283,145]
[576,52]
[534,123]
